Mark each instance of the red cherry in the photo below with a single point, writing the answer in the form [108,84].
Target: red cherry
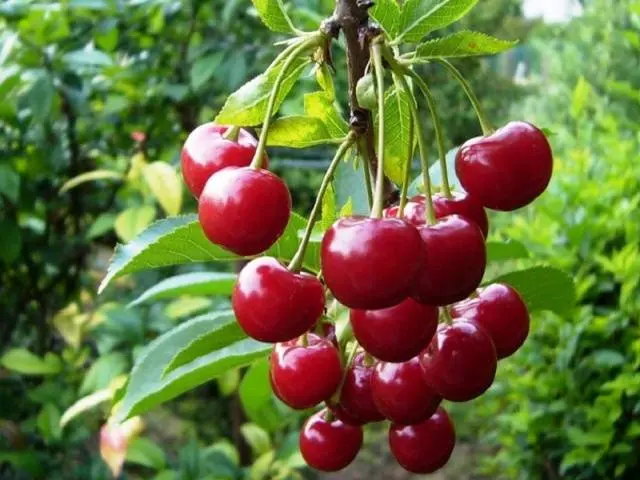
[371,263]
[460,363]
[329,445]
[460,203]
[206,151]
[356,399]
[391,212]
[329,332]
[397,333]
[244,210]
[425,447]
[274,304]
[455,262]
[401,394]
[507,169]
[303,376]
[498,309]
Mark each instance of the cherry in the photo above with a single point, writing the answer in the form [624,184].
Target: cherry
[273,304]
[207,151]
[498,309]
[356,399]
[371,263]
[460,203]
[425,447]
[304,375]
[397,333]
[455,262]
[460,363]
[328,444]
[244,210]
[329,332]
[507,169]
[401,394]
[391,212]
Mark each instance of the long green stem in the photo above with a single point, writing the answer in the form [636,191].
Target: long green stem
[378,70]
[447,315]
[366,170]
[297,260]
[437,126]
[293,55]
[487,128]
[335,399]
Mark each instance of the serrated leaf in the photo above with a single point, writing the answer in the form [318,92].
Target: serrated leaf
[257,397]
[166,186]
[90,177]
[542,288]
[273,15]
[247,105]
[196,283]
[462,44]
[22,361]
[420,17]
[148,386]
[397,117]
[320,105]
[180,240]
[499,251]
[387,14]
[132,221]
[223,331]
[298,131]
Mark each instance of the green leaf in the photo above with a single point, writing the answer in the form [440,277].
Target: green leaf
[273,15]
[40,97]
[187,307]
[9,182]
[196,283]
[324,78]
[321,105]
[223,331]
[499,251]
[228,382]
[102,224]
[257,397]
[435,173]
[462,44]
[149,386]
[582,93]
[298,131]
[203,69]
[48,423]
[180,240]
[103,371]
[22,361]
[87,58]
[10,241]
[90,177]
[28,461]
[329,213]
[350,188]
[147,453]
[247,105]
[387,14]
[85,404]
[420,17]
[257,438]
[133,221]
[166,186]
[542,288]
[397,117]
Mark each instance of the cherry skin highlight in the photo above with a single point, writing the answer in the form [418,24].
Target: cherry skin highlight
[371,263]
[206,151]
[500,310]
[395,334]
[244,210]
[273,304]
[327,444]
[460,203]
[455,261]
[303,376]
[460,363]
[356,398]
[425,447]
[401,394]
[507,169]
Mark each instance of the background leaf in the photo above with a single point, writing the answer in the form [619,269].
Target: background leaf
[133,221]
[258,400]
[23,361]
[166,186]
[498,251]
[90,177]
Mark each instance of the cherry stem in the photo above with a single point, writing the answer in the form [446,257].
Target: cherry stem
[335,399]
[232,133]
[378,70]
[298,258]
[366,171]
[447,315]
[291,54]
[437,126]
[487,128]
[305,340]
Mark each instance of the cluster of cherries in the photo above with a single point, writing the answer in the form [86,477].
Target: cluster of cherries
[397,275]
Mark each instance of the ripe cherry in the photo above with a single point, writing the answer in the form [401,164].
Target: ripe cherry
[460,203]
[498,309]
[274,304]
[356,399]
[460,363]
[328,444]
[397,333]
[371,263]
[304,375]
[207,151]
[507,169]
[244,210]
[455,261]
[401,394]
[425,447]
